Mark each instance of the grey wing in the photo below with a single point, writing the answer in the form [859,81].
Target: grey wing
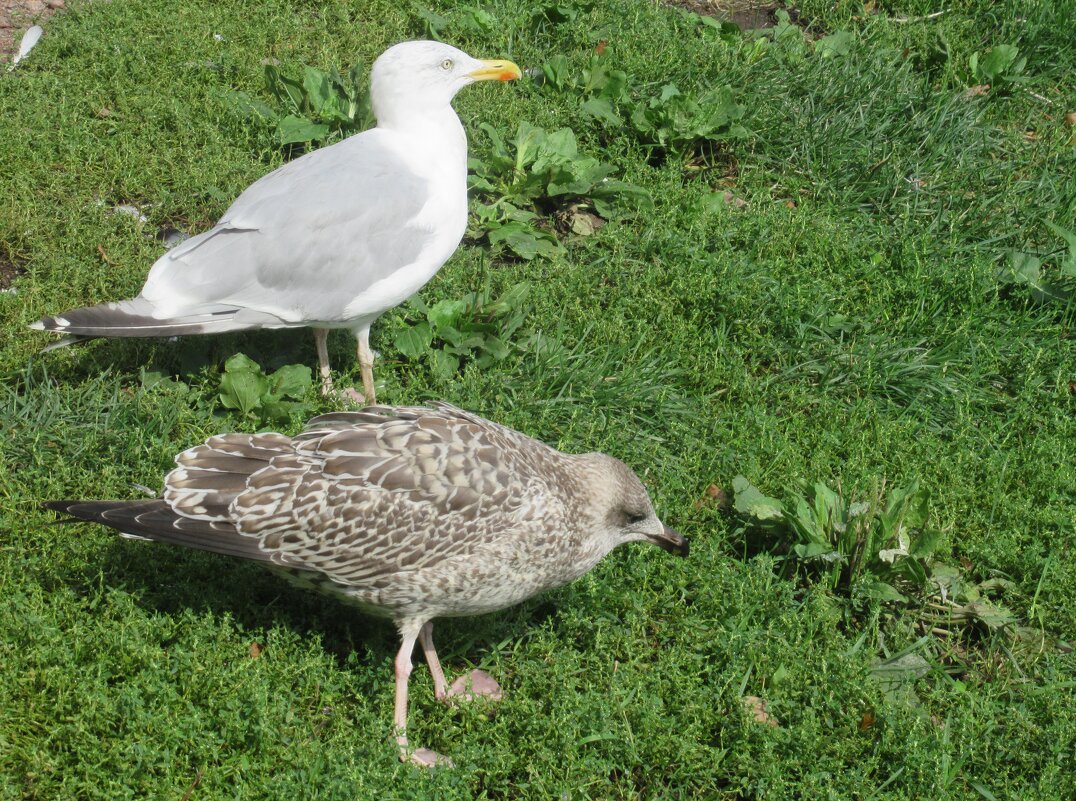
[303,240]
[363,495]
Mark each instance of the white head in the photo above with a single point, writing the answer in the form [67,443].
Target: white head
[619,507]
[419,79]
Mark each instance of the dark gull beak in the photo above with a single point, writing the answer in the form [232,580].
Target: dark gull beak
[672,541]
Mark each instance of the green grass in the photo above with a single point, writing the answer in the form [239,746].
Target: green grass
[845,325]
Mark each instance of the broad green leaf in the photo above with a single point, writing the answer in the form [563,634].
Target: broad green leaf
[528,139]
[496,347]
[243,390]
[434,23]
[525,241]
[556,73]
[750,501]
[496,139]
[816,550]
[602,109]
[241,363]
[997,61]
[925,543]
[444,314]
[712,203]
[829,508]
[615,199]
[443,364]
[807,523]
[947,578]
[892,674]
[513,296]
[248,106]
[466,344]
[280,411]
[162,382]
[318,90]
[1023,268]
[478,20]
[577,178]
[785,31]
[835,45]
[413,342]
[1068,264]
[450,334]
[727,30]
[418,304]
[291,130]
[356,74]
[881,591]
[291,381]
[721,108]
[993,616]
[287,90]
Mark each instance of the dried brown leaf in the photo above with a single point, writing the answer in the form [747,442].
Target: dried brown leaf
[584,223]
[733,200]
[757,707]
[713,496]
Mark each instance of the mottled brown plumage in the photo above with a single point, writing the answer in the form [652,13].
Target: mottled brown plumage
[411,513]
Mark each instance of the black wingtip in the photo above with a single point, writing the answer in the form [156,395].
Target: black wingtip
[58,506]
[62,508]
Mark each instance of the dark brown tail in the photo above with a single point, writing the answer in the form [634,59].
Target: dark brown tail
[155,520]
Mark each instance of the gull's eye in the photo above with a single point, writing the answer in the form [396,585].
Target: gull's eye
[446,65]
[634,518]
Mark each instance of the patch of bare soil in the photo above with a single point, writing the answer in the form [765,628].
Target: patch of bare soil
[748,15]
[9,270]
[18,15]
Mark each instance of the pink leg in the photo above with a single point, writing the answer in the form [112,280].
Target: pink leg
[419,756]
[440,686]
[320,337]
[468,686]
[366,364]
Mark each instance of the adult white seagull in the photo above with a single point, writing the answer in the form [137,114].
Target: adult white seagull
[332,239]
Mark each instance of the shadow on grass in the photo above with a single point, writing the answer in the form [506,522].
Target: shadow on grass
[170,580]
[190,356]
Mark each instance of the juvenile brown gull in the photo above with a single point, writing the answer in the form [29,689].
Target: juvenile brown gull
[410,513]
[332,239]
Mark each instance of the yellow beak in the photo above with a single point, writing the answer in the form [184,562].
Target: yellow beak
[496,70]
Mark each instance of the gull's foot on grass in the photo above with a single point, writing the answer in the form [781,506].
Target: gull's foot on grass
[351,396]
[425,758]
[476,684]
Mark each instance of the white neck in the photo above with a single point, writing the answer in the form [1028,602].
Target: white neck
[435,134]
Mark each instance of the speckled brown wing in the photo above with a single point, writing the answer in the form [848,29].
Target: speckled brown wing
[360,496]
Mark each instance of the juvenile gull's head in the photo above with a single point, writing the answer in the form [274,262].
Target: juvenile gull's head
[618,508]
